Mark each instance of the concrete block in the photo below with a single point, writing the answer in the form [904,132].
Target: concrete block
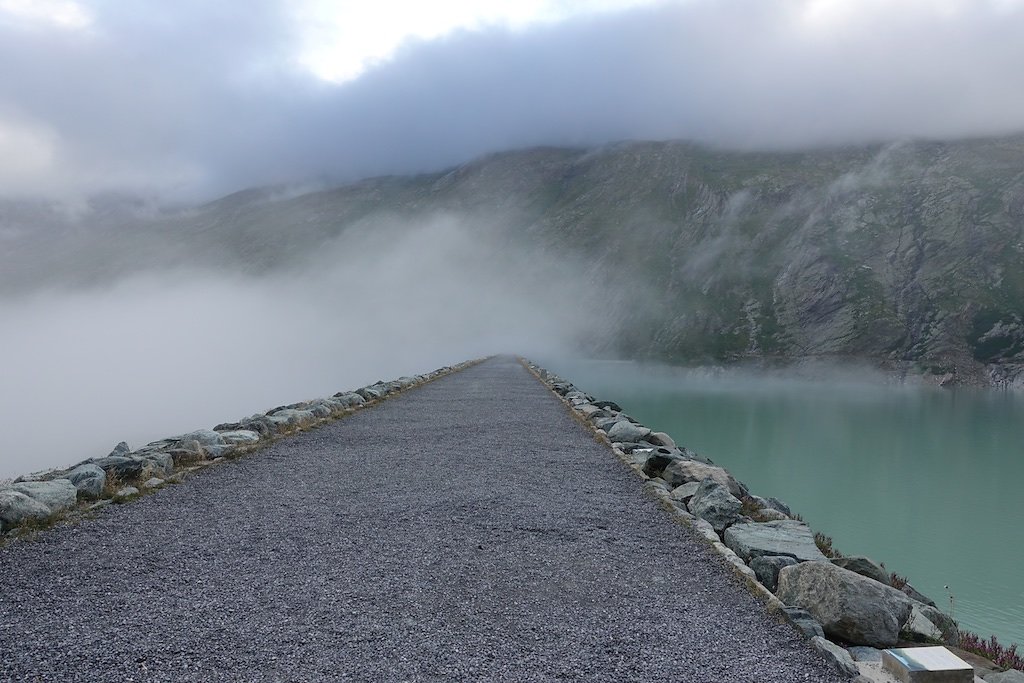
[926,665]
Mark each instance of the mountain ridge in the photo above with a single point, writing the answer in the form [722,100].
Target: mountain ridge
[908,254]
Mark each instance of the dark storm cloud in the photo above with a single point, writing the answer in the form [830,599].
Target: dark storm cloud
[199,98]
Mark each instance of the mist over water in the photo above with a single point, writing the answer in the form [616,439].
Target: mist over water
[171,349]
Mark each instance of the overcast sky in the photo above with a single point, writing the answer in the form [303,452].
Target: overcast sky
[193,98]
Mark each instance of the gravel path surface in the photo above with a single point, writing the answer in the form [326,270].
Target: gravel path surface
[470,529]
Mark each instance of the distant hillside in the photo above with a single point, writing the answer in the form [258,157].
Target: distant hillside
[908,254]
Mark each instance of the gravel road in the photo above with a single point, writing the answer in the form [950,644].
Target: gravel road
[469,529]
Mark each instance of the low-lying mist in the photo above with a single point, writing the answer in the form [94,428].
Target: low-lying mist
[174,349]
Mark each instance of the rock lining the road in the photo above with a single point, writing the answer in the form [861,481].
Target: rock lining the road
[43,498]
[763,542]
[469,530]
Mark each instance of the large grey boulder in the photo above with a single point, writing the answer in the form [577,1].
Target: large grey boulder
[122,467]
[205,437]
[240,436]
[289,417]
[767,567]
[156,462]
[681,471]
[781,537]
[89,479]
[624,430]
[686,491]
[661,439]
[851,607]
[16,507]
[370,393]
[56,494]
[864,566]
[1011,676]
[350,398]
[713,503]
[836,656]
[920,629]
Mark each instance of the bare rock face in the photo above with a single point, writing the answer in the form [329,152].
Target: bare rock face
[851,607]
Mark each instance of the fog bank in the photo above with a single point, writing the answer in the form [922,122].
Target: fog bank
[170,351]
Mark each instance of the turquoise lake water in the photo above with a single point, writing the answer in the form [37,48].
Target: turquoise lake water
[927,480]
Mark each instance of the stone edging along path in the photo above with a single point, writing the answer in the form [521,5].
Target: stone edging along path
[37,501]
[849,606]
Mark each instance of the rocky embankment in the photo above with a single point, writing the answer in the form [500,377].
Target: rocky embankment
[38,500]
[849,607]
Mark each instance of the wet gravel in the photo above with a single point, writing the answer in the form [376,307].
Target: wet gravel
[469,529]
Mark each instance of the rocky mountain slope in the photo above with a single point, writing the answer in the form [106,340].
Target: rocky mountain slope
[908,254]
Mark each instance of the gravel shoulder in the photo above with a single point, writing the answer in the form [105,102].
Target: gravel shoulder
[469,529]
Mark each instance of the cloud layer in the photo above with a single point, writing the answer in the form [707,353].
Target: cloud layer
[195,99]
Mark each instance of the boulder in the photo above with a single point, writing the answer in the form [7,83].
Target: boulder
[156,462]
[713,503]
[592,412]
[350,398]
[240,436]
[781,537]
[16,508]
[661,439]
[126,492]
[122,467]
[851,607]
[950,631]
[920,629]
[370,393]
[681,471]
[89,479]
[686,491]
[56,494]
[705,530]
[319,410]
[153,483]
[205,437]
[120,450]
[287,418]
[767,567]
[776,504]
[863,566]
[1011,676]
[863,653]
[836,656]
[624,430]
[802,621]
[656,461]
[608,405]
